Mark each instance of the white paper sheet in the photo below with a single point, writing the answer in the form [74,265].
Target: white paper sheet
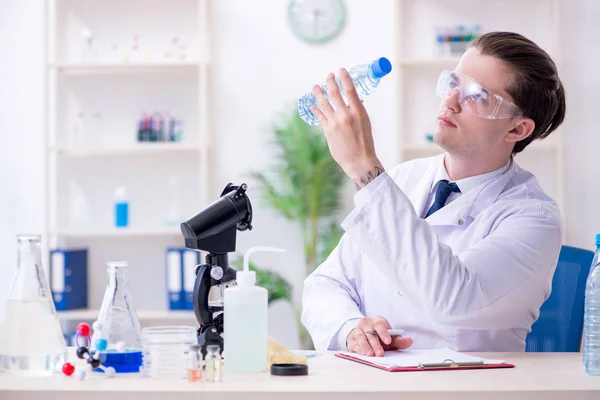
[412,358]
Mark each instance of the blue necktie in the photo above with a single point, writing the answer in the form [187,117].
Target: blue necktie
[443,190]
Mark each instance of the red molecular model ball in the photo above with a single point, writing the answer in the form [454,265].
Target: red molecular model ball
[83,329]
[68,368]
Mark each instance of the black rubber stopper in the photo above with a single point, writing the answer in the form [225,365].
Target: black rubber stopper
[289,369]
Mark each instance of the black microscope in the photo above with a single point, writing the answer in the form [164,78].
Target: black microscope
[213,230]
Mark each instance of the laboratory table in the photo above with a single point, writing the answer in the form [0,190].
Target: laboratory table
[546,376]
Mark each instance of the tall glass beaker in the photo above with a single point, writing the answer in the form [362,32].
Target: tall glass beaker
[31,339]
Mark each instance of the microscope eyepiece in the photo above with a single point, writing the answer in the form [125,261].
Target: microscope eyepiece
[213,229]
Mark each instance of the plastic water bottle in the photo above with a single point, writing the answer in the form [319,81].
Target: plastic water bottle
[366,78]
[591,319]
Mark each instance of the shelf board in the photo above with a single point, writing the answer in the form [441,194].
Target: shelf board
[433,61]
[117,68]
[143,315]
[140,149]
[114,232]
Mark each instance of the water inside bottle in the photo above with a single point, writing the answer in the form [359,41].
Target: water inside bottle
[364,83]
[591,322]
[31,339]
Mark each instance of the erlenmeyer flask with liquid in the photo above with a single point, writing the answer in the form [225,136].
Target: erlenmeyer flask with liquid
[118,327]
[31,339]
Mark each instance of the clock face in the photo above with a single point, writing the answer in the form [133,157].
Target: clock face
[316,21]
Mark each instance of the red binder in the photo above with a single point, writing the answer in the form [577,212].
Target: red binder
[427,367]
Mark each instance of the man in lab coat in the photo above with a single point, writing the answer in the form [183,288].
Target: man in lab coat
[457,250]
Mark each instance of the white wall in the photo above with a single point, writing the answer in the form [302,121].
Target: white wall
[21,147]
[260,67]
[260,70]
[582,134]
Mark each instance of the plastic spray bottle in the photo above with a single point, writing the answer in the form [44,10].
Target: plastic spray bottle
[245,321]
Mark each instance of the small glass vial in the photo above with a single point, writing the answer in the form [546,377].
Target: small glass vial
[195,363]
[212,364]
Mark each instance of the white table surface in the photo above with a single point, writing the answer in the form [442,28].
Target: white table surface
[546,376]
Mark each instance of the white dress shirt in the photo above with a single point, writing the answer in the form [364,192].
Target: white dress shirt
[464,184]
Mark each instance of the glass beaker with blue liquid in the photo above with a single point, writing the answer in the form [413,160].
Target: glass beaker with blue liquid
[117,332]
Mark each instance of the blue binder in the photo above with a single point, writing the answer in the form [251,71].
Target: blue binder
[174,278]
[69,278]
[191,258]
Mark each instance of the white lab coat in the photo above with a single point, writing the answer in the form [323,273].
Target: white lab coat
[472,276]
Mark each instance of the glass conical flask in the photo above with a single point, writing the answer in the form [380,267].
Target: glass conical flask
[118,326]
[118,319]
[31,339]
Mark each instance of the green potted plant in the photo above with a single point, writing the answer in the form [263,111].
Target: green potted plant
[304,185]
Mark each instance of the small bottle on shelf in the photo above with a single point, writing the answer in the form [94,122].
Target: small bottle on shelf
[178,130]
[151,134]
[161,137]
[174,214]
[156,122]
[88,50]
[440,40]
[78,134]
[121,208]
[140,130]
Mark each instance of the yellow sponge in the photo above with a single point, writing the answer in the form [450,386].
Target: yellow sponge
[278,354]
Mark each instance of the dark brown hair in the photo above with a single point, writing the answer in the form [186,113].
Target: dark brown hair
[536,87]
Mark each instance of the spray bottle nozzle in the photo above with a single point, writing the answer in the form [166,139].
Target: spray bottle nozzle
[247,277]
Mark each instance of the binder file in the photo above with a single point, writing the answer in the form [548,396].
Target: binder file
[174,279]
[191,259]
[69,278]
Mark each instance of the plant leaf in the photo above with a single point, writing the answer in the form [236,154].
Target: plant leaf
[305,182]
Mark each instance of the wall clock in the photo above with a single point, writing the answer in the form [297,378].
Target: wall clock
[316,21]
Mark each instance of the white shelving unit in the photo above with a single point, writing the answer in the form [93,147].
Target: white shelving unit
[146,56]
[433,61]
[143,315]
[158,149]
[111,68]
[418,67]
[116,232]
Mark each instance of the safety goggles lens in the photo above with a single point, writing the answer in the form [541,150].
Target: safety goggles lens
[475,98]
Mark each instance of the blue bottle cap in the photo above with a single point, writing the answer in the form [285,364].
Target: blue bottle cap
[598,239]
[381,67]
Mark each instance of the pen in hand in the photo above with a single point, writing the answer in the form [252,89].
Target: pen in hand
[365,340]
[392,332]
